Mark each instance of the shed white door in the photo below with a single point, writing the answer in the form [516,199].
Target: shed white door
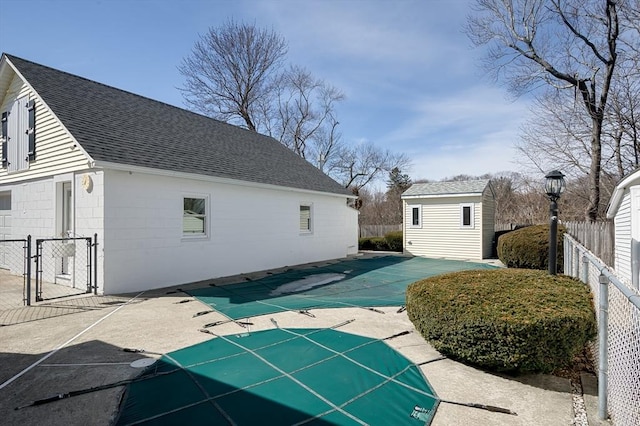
[5,227]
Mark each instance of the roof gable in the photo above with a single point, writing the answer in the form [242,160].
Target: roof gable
[441,189]
[115,126]
[632,179]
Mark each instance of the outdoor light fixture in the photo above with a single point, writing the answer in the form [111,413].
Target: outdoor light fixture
[554,186]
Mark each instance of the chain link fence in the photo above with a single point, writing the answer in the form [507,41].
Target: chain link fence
[14,273]
[618,347]
[63,267]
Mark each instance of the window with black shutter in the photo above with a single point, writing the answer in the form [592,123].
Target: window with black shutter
[19,135]
[31,131]
[4,136]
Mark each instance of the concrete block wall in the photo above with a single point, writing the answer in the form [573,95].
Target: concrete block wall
[32,209]
[88,201]
[249,229]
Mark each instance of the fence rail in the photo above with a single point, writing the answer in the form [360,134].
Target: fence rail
[618,345]
[377,230]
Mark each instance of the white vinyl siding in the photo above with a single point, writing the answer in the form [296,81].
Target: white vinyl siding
[622,251]
[305,218]
[635,237]
[57,152]
[442,235]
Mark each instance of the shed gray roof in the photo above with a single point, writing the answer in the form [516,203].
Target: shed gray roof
[116,126]
[447,188]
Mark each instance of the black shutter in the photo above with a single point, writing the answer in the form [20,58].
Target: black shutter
[4,136]
[31,107]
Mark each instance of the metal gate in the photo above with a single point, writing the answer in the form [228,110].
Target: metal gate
[15,273]
[65,267]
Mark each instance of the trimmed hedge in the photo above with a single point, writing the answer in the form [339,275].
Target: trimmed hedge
[373,243]
[513,320]
[392,241]
[529,248]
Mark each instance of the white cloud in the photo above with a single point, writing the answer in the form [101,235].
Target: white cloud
[476,160]
[470,132]
[379,33]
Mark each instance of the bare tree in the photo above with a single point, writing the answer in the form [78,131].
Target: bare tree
[561,44]
[232,73]
[557,137]
[624,124]
[305,121]
[236,73]
[357,166]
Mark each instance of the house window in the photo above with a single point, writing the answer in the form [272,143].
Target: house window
[305,218]
[466,215]
[194,219]
[18,135]
[416,216]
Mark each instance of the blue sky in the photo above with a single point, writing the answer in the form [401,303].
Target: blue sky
[411,78]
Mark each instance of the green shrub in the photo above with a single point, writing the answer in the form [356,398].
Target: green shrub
[529,248]
[394,240]
[373,243]
[390,242]
[514,320]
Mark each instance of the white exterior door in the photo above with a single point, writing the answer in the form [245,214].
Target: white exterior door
[5,227]
[65,221]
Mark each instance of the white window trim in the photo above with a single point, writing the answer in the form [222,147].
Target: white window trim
[207,218]
[411,207]
[310,230]
[472,215]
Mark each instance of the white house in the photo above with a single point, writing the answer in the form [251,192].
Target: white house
[173,196]
[624,209]
[449,219]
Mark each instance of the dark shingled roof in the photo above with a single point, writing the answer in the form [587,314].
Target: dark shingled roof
[116,126]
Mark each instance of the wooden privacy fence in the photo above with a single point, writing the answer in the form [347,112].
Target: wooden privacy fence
[377,230]
[597,237]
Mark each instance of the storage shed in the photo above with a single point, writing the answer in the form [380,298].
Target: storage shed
[449,219]
[624,209]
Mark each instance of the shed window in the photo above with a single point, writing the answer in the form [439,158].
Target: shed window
[305,218]
[416,216]
[466,215]
[194,219]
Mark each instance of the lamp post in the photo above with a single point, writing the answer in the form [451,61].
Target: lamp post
[554,186]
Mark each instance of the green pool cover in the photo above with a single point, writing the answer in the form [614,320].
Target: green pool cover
[281,377]
[371,282]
